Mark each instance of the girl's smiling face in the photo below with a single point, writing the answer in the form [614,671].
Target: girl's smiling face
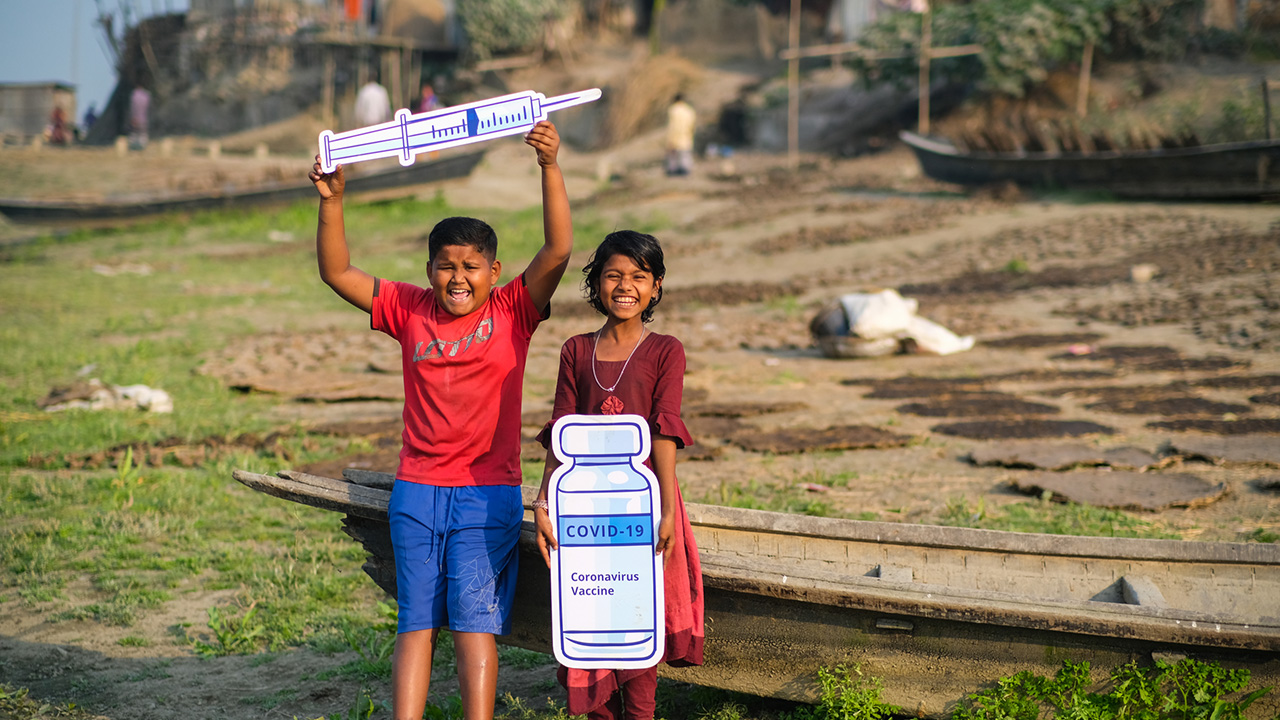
[626,289]
[462,278]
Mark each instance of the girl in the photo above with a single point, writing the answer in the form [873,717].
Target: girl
[624,368]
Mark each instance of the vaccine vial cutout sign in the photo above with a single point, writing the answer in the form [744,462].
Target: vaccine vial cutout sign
[606,581]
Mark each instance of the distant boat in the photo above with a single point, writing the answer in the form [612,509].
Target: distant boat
[1227,171]
[35,211]
[934,612]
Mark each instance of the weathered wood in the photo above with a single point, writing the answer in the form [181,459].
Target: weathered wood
[370,478]
[935,612]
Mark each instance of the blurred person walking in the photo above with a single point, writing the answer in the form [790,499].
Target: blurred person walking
[681,121]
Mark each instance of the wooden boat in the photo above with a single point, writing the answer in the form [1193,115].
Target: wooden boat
[1241,170]
[934,612]
[31,211]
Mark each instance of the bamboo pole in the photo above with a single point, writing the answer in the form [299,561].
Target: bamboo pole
[1266,108]
[1086,74]
[926,48]
[793,88]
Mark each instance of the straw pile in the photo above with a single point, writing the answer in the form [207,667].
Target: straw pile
[641,102]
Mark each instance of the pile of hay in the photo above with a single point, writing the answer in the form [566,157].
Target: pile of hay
[641,102]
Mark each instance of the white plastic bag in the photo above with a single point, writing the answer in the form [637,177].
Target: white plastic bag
[879,315]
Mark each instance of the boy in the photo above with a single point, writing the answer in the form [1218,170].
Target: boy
[456,507]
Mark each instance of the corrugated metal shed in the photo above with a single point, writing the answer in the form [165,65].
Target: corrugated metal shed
[25,108]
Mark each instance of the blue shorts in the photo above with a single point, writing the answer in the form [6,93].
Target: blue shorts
[456,558]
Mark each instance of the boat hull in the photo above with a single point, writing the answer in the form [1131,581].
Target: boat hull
[38,211]
[788,594]
[1229,171]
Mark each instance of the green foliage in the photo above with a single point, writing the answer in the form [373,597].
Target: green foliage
[1262,535]
[1186,690]
[781,497]
[846,695]
[374,644]
[522,659]
[1045,516]
[17,704]
[496,26]
[1024,40]
[514,708]
[450,709]
[232,634]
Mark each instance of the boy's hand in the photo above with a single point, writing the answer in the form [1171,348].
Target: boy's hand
[329,185]
[544,138]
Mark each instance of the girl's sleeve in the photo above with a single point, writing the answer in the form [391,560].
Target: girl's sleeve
[566,392]
[669,389]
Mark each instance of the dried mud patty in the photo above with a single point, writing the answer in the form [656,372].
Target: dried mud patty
[1053,455]
[1265,399]
[1220,427]
[978,405]
[1239,381]
[1154,357]
[793,440]
[910,386]
[738,410]
[1122,490]
[1169,406]
[1011,429]
[1223,449]
[1023,342]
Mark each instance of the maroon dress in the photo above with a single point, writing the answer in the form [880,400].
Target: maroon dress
[651,387]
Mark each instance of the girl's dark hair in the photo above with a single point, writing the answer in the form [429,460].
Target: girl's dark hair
[463,231]
[644,250]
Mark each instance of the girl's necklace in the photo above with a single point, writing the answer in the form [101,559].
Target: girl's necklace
[612,405]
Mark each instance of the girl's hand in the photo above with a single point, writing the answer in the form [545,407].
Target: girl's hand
[546,535]
[544,138]
[329,185]
[666,537]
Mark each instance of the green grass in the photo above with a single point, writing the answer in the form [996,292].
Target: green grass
[111,544]
[1044,516]
[778,497]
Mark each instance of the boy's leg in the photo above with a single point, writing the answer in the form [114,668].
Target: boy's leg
[411,673]
[415,513]
[481,565]
[477,673]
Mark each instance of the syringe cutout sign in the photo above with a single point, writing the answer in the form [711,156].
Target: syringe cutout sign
[409,134]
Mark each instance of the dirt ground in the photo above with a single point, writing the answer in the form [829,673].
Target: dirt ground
[1069,336]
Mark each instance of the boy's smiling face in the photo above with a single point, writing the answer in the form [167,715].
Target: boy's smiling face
[462,277]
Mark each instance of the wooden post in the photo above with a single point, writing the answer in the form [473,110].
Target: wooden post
[926,47]
[1266,108]
[1082,87]
[793,88]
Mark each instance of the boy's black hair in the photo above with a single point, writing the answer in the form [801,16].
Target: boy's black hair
[463,231]
[644,250]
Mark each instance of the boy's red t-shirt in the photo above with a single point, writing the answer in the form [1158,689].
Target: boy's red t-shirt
[463,382]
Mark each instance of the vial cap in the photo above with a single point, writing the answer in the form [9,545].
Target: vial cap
[588,440]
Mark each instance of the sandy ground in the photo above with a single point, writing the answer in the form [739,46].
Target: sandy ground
[754,250]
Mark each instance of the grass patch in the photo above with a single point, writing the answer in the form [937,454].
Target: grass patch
[17,704]
[1044,516]
[778,497]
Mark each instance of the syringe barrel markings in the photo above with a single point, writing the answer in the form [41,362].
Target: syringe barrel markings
[409,135]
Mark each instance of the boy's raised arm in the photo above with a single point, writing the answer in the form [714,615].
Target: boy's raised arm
[350,282]
[548,266]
